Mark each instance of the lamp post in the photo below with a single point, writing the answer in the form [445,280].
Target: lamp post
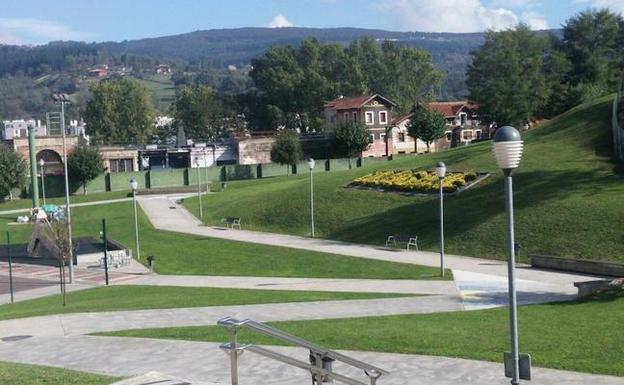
[134,185]
[311,164]
[62,99]
[508,152]
[201,211]
[42,171]
[441,173]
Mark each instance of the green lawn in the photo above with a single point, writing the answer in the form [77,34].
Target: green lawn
[188,254]
[115,298]
[568,198]
[580,336]
[161,89]
[20,374]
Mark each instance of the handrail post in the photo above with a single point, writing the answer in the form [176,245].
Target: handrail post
[234,355]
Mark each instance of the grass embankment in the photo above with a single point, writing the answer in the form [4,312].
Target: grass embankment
[116,298]
[189,254]
[568,199]
[15,374]
[580,336]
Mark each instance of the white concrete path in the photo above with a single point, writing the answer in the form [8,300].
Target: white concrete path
[82,204]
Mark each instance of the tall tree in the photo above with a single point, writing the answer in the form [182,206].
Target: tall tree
[199,112]
[426,125]
[12,171]
[352,138]
[593,41]
[507,76]
[120,111]
[287,149]
[84,165]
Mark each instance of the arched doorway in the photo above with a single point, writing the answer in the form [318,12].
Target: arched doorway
[53,161]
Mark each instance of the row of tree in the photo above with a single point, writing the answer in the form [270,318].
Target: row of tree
[519,74]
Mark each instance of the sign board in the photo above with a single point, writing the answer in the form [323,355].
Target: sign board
[524,362]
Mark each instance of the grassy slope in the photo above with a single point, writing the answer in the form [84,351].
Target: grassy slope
[15,374]
[579,336]
[568,199]
[188,254]
[114,298]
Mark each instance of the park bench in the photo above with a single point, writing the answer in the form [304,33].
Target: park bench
[232,222]
[408,240]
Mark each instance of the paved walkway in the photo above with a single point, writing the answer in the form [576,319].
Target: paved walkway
[94,203]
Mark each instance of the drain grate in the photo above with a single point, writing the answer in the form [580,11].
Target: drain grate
[14,338]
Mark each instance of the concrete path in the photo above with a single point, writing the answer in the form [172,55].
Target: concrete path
[481,281]
[94,203]
[302,284]
[204,363]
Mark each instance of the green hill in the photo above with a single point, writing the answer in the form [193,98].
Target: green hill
[569,200]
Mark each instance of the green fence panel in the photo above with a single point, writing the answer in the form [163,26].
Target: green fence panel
[120,181]
[167,178]
[341,164]
[273,169]
[240,172]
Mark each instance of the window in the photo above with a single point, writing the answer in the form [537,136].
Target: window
[463,118]
[401,137]
[478,134]
[354,116]
[382,137]
[383,117]
[370,119]
[449,136]
[121,165]
[467,135]
[345,117]
[372,138]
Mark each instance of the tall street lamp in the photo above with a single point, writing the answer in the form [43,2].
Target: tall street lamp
[134,185]
[42,171]
[311,164]
[441,173]
[62,99]
[201,211]
[508,152]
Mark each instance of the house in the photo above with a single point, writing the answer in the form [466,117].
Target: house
[374,111]
[462,121]
[405,144]
[19,128]
[162,69]
[99,71]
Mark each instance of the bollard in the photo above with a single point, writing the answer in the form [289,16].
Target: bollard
[151,260]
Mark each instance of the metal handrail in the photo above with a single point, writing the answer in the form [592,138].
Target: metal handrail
[319,372]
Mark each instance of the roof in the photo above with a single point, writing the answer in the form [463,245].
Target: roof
[451,109]
[343,103]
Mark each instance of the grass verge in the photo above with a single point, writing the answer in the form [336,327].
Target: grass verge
[582,336]
[116,298]
[14,374]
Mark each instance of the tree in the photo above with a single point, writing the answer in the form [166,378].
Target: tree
[120,111]
[12,171]
[84,165]
[593,41]
[287,149]
[507,76]
[199,112]
[352,138]
[426,125]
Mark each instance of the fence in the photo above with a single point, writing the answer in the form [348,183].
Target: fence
[175,177]
[618,131]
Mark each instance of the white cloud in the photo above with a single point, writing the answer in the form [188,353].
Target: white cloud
[447,15]
[614,5]
[280,21]
[535,20]
[35,31]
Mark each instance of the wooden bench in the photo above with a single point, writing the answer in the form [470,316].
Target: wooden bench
[408,240]
[231,222]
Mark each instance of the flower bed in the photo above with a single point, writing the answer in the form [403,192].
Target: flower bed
[416,181]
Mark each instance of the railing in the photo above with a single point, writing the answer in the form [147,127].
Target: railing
[321,359]
[618,132]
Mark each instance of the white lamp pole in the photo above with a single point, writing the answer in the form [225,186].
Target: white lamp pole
[311,164]
[42,171]
[201,212]
[441,173]
[508,147]
[134,185]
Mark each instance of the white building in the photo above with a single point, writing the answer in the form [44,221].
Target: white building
[19,128]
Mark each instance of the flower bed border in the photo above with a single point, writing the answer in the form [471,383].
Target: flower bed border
[481,176]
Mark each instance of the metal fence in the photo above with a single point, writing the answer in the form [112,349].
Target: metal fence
[618,131]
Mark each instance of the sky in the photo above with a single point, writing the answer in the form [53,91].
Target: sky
[40,21]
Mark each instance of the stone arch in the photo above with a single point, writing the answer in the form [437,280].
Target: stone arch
[53,161]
